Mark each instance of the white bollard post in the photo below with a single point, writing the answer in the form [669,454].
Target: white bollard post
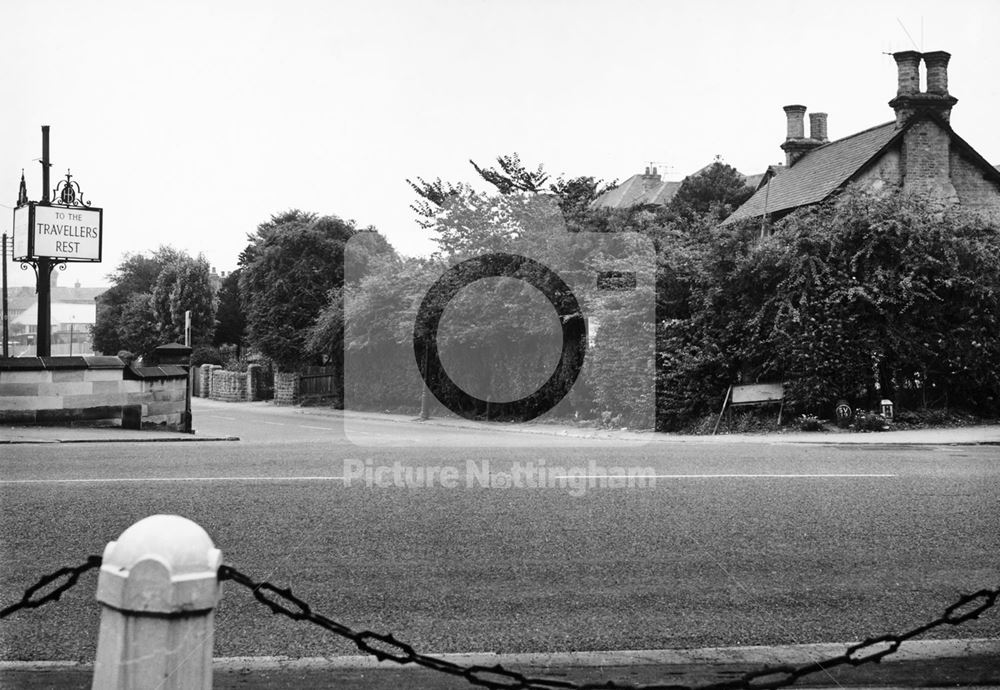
[158,588]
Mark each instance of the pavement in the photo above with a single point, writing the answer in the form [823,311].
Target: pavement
[925,663]
[929,663]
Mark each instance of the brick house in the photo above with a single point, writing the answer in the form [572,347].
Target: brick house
[918,151]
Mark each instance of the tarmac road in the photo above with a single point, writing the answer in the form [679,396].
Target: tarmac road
[733,544]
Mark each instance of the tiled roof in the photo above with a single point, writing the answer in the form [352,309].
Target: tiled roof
[638,190]
[817,174]
[651,190]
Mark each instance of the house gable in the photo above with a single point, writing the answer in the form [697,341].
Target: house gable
[918,152]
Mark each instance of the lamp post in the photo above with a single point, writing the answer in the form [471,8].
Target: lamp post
[6,311]
[43,341]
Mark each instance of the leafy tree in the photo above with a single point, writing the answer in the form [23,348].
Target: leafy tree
[864,297]
[230,321]
[510,177]
[288,269]
[715,191]
[137,325]
[135,275]
[183,285]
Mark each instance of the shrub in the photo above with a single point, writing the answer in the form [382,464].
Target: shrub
[204,354]
[808,422]
[869,421]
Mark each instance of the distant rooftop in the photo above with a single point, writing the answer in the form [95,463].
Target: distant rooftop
[650,189]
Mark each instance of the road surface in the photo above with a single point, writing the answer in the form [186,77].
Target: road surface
[711,545]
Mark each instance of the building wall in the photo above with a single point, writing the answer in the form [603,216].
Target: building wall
[927,162]
[974,190]
[886,172]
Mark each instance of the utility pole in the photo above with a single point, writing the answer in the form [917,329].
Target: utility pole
[43,338]
[6,310]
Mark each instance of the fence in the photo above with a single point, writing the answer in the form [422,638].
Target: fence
[318,383]
[160,582]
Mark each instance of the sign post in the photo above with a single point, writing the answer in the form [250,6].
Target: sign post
[49,234]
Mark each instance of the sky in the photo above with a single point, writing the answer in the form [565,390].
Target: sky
[192,122]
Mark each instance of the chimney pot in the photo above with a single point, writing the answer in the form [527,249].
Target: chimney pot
[908,66]
[937,72]
[796,121]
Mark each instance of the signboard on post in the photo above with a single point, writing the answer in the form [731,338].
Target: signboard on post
[752,394]
[61,233]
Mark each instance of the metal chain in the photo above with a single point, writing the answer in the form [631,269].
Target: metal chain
[72,574]
[387,648]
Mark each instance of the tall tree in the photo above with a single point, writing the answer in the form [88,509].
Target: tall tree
[510,176]
[136,275]
[288,269]
[230,320]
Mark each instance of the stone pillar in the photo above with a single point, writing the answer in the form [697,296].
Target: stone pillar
[205,381]
[253,382]
[158,588]
[211,380]
[286,388]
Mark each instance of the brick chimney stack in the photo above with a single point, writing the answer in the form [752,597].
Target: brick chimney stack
[909,100]
[796,125]
[817,127]
[908,66]
[925,157]
[796,144]
[937,72]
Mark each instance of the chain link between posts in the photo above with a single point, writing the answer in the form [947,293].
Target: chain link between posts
[281,601]
[72,575]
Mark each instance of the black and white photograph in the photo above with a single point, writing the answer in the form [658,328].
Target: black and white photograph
[541,345]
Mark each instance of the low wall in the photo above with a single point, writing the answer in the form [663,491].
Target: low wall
[228,386]
[232,386]
[91,390]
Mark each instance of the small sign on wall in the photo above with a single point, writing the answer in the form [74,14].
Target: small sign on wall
[63,233]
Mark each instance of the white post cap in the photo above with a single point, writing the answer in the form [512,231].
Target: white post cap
[161,564]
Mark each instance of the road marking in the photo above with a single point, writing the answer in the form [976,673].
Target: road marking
[219,416]
[276,423]
[321,428]
[720,476]
[112,480]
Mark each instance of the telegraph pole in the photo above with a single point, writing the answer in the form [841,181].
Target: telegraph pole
[43,337]
[6,310]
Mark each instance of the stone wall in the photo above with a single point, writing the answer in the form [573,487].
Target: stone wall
[229,386]
[286,388]
[91,391]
